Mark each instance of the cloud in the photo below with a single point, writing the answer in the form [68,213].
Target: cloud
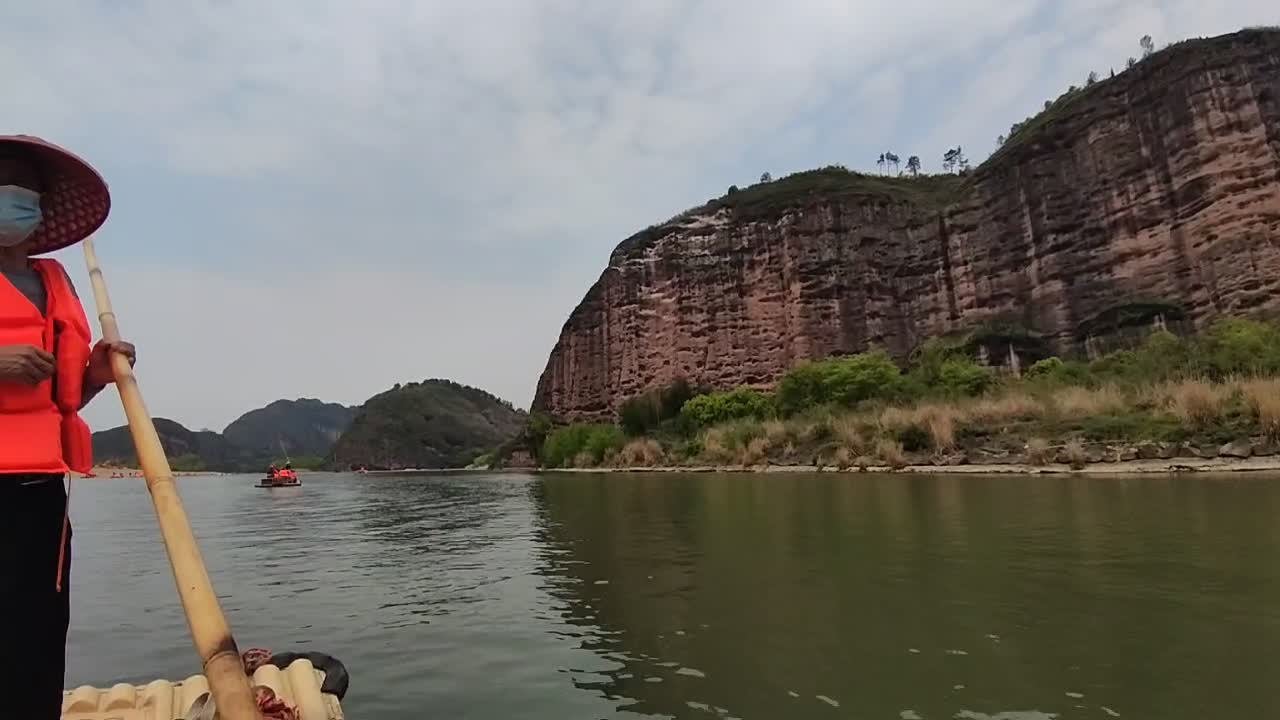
[450,177]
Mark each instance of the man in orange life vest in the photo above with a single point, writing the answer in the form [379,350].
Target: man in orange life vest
[49,199]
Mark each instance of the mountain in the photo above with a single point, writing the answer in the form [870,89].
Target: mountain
[1148,199]
[304,427]
[432,424]
[186,449]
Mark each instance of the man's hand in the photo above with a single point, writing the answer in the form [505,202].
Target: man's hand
[98,373]
[25,364]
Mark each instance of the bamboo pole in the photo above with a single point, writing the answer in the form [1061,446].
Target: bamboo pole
[209,630]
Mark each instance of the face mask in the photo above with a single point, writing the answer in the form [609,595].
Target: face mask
[19,214]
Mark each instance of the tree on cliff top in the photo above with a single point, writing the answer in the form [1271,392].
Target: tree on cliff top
[1148,46]
[954,159]
[913,165]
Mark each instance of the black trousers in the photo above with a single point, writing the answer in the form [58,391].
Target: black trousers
[35,612]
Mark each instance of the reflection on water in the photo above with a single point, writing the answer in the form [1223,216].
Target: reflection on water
[708,596]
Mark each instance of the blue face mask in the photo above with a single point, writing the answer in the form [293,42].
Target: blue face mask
[19,214]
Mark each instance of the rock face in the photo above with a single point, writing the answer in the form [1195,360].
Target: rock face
[1152,198]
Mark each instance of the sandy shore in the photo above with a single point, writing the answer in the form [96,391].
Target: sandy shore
[1128,467]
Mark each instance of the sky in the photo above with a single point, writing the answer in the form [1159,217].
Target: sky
[322,198]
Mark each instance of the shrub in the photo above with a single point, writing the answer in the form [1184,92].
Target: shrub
[647,411]
[721,407]
[1056,371]
[963,377]
[1162,356]
[1119,365]
[1047,368]
[536,429]
[839,381]
[1236,346]
[564,445]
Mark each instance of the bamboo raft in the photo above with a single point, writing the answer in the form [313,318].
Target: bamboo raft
[298,685]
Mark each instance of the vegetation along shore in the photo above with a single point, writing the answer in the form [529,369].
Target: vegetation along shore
[1209,402]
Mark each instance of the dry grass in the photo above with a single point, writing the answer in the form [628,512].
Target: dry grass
[1006,408]
[1075,454]
[890,452]
[896,418]
[842,458]
[848,433]
[1263,398]
[1078,402]
[755,452]
[584,459]
[940,421]
[1038,452]
[714,447]
[776,431]
[1196,402]
[641,452]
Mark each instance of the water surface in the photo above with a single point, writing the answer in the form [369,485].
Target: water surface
[699,596]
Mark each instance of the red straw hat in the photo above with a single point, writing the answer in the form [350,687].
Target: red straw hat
[75,201]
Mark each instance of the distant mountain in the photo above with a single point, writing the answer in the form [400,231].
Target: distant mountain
[305,427]
[432,424]
[186,449]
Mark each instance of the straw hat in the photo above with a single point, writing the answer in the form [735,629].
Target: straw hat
[75,201]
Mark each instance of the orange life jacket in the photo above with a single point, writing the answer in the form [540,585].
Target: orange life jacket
[40,427]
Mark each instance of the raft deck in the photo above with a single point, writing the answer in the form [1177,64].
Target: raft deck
[299,685]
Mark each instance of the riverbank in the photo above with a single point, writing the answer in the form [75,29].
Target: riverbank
[1117,468]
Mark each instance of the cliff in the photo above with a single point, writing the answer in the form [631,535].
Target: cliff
[432,424]
[1149,198]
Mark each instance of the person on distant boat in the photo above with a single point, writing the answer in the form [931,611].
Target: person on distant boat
[49,199]
[273,471]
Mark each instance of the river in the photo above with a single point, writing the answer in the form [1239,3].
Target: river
[700,596]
